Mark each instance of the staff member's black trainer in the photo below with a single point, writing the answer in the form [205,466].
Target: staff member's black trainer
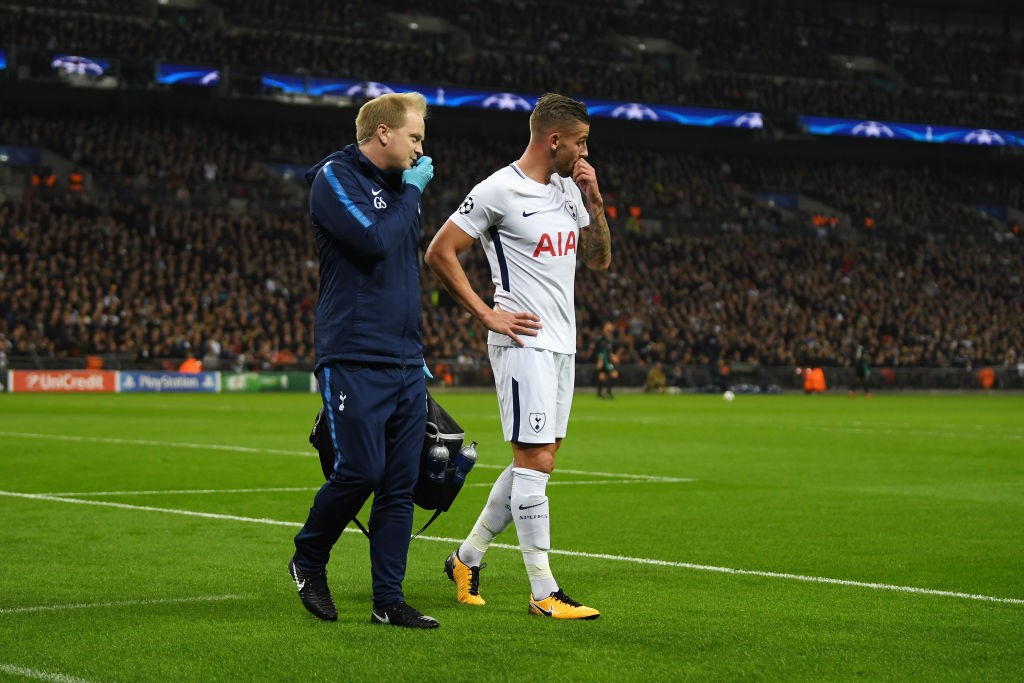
[401,614]
[316,596]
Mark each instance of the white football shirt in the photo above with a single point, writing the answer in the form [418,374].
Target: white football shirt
[530,233]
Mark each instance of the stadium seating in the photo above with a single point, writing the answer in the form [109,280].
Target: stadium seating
[780,62]
[187,240]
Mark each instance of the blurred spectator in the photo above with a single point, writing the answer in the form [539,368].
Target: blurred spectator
[191,364]
[656,382]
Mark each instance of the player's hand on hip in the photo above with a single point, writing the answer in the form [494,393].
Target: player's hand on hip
[513,324]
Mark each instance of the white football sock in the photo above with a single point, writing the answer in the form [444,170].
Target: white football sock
[493,519]
[530,513]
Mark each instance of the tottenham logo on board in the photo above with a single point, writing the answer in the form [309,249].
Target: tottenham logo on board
[537,421]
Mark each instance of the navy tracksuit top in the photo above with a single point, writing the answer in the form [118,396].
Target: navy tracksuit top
[367,226]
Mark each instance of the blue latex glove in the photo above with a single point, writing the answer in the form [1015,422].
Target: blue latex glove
[426,371]
[420,174]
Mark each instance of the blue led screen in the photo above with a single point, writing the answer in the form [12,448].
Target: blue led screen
[917,132]
[510,101]
[187,74]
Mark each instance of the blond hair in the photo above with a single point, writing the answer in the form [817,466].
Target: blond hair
[389,109]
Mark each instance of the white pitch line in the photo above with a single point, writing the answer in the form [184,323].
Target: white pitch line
[597,482]
[797,577]
[930,433]
[307,489]
[121,603]
[571,553]
[71,494]
[624,475]
[125,506]
[147,442]
[304,454]
[39,675]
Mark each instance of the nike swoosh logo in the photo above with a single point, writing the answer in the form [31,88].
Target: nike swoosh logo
[545,612]
[377,192]
[527,507]
[384,619]
[528,214]
[295,578]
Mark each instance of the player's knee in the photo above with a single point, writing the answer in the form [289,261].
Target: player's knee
[540,459]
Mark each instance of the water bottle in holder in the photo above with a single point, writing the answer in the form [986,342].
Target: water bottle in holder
[464,461]
[437,461]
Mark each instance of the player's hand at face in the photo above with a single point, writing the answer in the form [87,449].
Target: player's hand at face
[584,175]
[513,324]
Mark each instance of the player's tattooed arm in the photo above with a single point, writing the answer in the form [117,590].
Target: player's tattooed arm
[596,240]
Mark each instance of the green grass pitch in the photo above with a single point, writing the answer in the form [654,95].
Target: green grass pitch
[146,538]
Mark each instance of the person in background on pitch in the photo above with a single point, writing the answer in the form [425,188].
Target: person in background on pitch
[532,219]
[606,360]
[364,203]
[861,372]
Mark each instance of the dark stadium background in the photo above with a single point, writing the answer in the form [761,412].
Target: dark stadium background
[912,250]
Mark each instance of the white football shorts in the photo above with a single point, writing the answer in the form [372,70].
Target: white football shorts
[534,389]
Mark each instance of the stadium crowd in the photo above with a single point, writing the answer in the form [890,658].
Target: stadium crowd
[158,277]
[187,241]
[782,62]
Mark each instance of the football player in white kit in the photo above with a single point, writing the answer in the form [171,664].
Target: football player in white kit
[534,218]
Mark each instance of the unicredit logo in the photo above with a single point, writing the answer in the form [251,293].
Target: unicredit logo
[64,381]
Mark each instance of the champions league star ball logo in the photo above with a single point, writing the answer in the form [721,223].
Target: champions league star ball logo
[466,206]
[370,90]
[983,136]
[507,101]
[872,129]
[749,120]
[78,66]
[634,111]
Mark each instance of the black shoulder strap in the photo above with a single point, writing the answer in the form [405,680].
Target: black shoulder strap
[437,513]
[361,527]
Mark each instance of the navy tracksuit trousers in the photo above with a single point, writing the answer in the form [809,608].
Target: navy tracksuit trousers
[377,420]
